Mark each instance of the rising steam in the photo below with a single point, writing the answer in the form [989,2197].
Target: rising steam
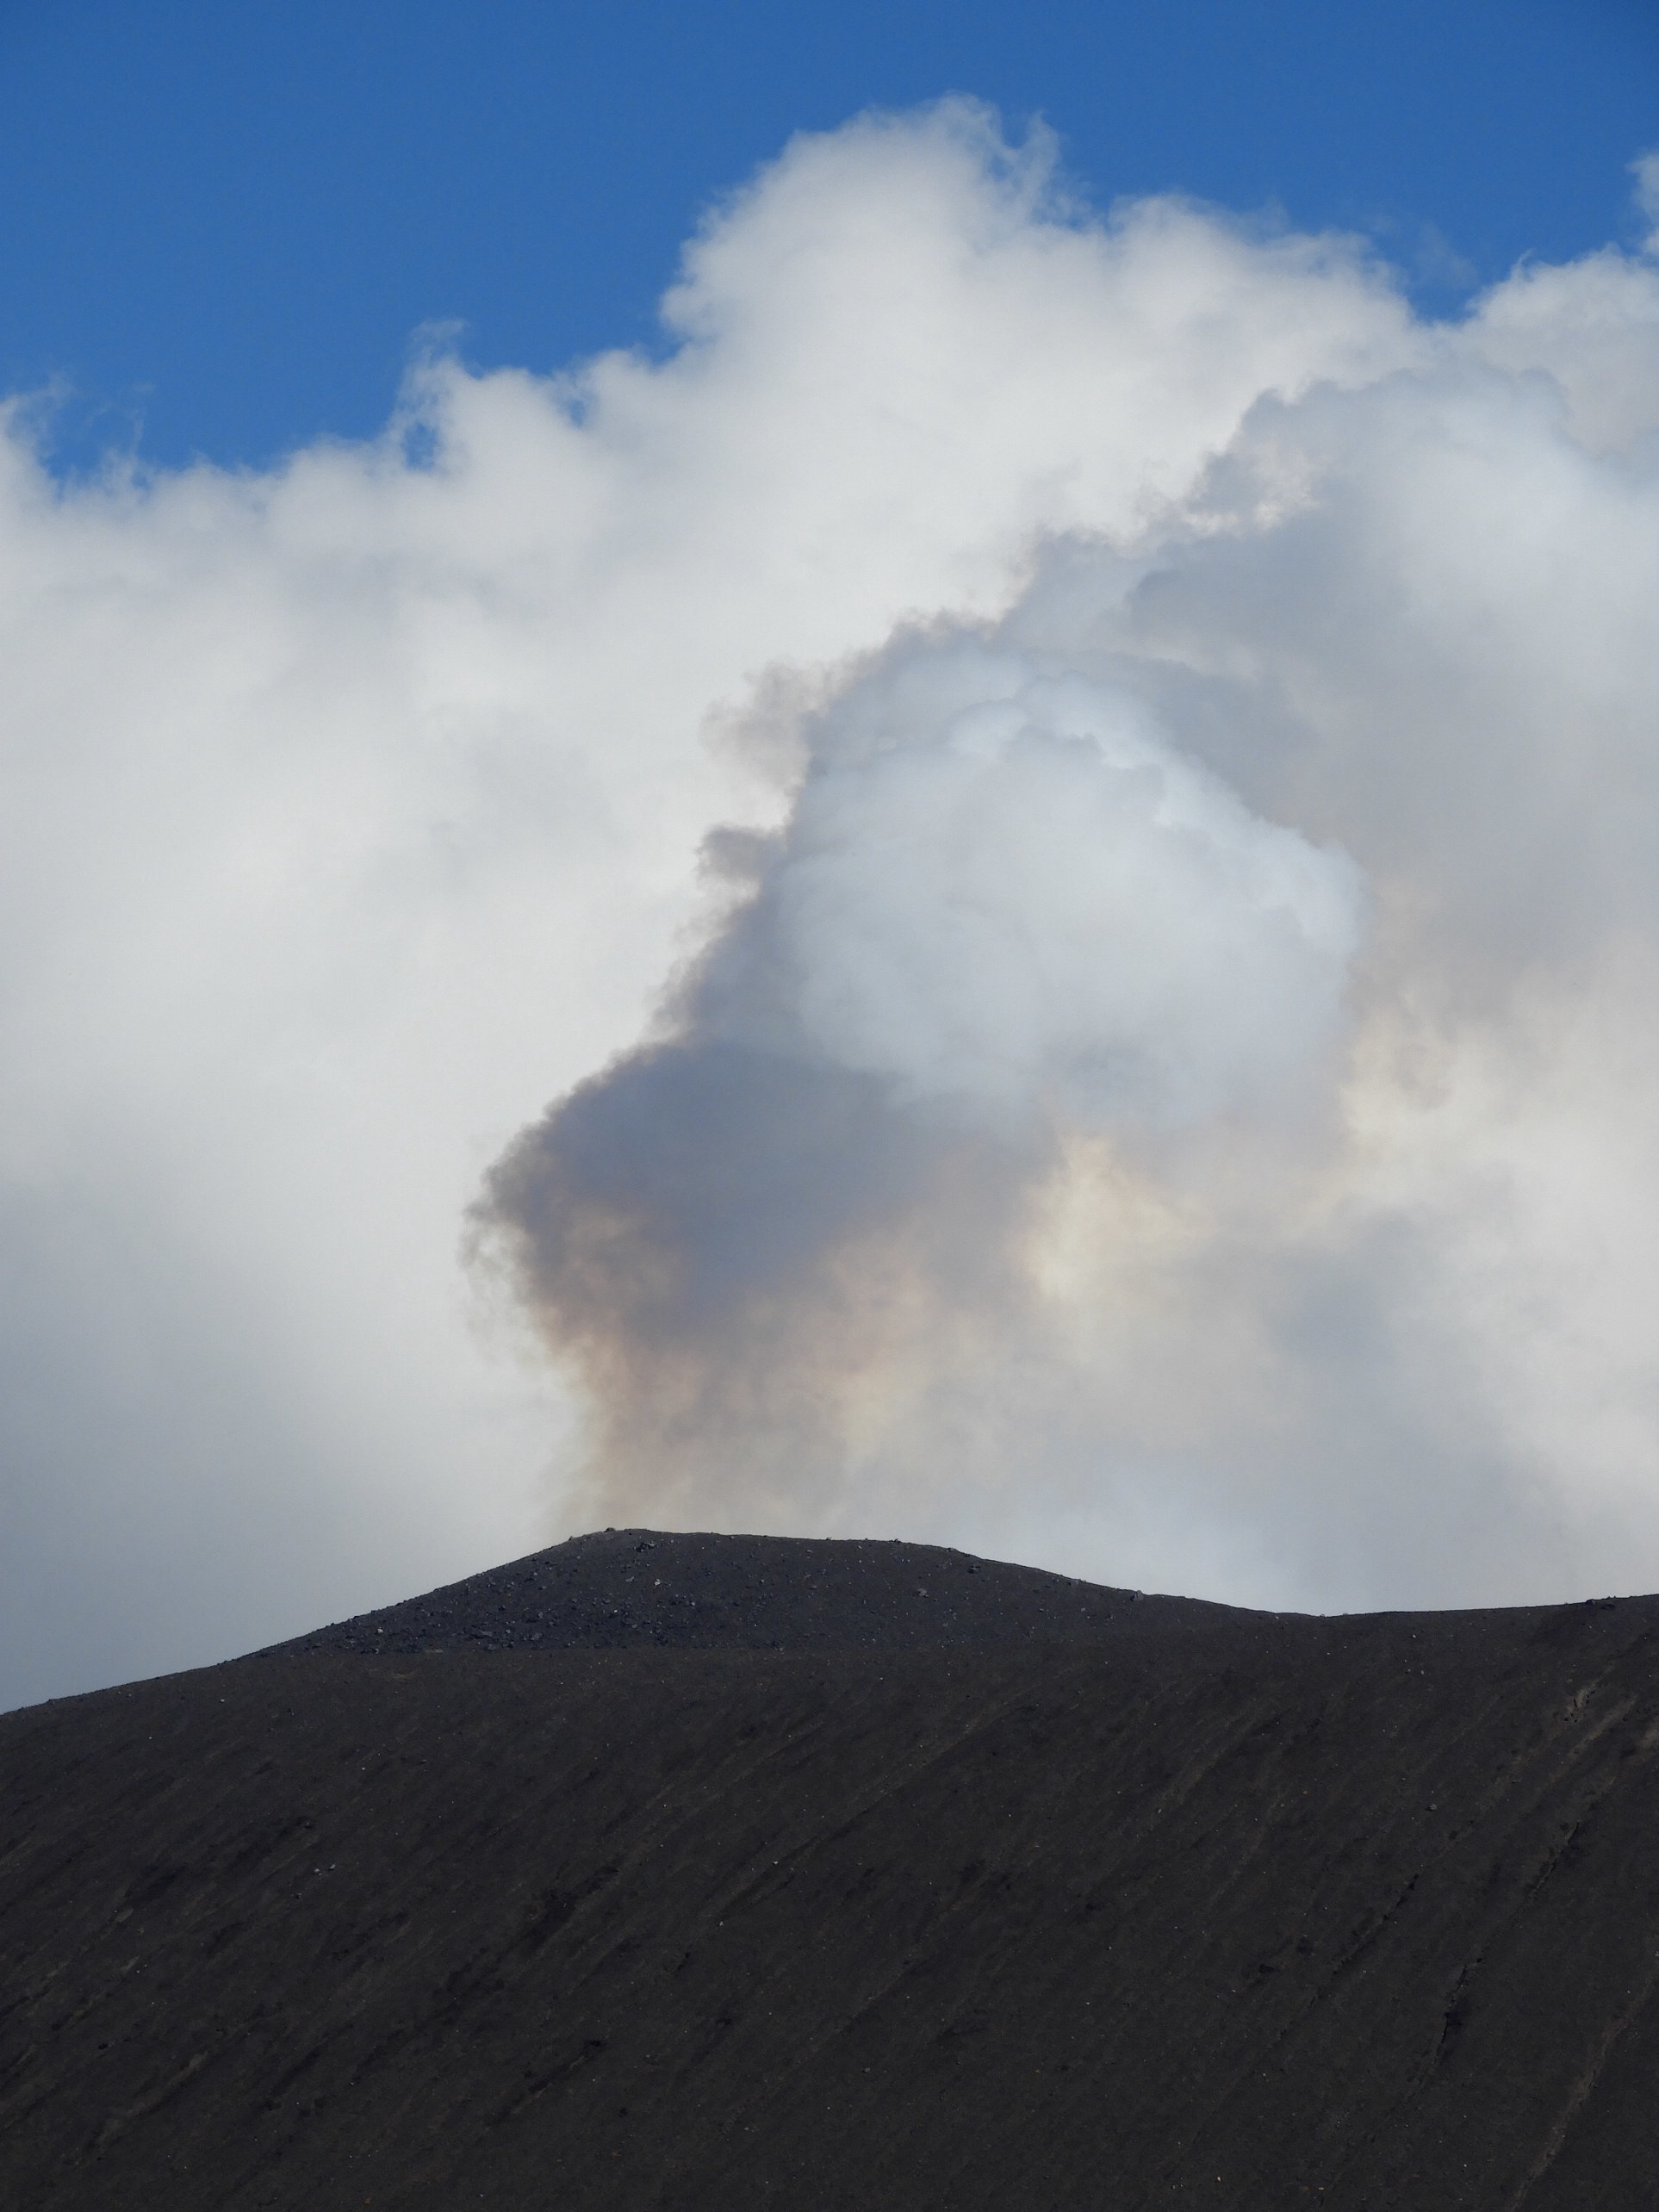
[1180,1065]
[1004,914]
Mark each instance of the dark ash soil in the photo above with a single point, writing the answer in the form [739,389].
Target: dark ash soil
[753,1874]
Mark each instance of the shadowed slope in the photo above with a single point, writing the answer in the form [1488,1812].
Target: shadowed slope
[1234,1910]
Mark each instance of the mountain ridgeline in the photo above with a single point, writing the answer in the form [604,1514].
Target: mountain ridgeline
[634,1586]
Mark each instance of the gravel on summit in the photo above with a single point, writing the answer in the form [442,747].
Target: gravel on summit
[625,1587]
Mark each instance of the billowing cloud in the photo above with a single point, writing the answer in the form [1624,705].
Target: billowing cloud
[1001,889]
[1004,910]
[1064,809]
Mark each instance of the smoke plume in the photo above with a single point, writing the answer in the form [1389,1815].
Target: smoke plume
[1004,914]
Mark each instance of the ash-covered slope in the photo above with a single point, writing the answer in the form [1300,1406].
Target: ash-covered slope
[632,1586]
[1222,1911]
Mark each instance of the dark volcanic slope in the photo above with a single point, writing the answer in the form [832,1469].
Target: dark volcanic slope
[635,1586]
[1235,1912]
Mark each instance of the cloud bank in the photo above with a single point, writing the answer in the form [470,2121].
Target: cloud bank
[1063,808]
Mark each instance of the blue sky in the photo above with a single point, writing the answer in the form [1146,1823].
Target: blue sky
[225,224]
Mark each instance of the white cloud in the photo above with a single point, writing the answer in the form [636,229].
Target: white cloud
[1645,169]
[1004,891]
[353,812]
